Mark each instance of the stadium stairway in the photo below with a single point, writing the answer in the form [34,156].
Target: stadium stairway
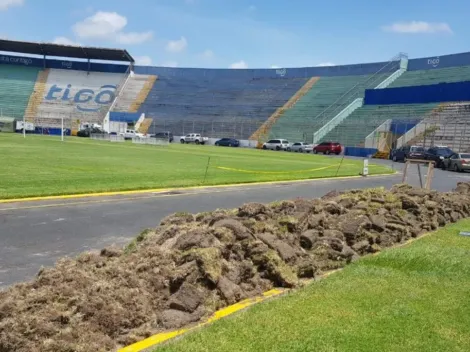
[135,92]
[145,125]
[17,84]
[263,132]
[353,131]
[300,122]
[37,96]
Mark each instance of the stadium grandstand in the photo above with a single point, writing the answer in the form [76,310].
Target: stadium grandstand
[366,107]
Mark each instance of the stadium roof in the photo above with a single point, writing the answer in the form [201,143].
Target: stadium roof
[80,52]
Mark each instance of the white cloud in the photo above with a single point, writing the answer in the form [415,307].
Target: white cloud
[275,66]
[176,46]
[65,41]
[169,64]
[100,25]
[323,64]
[418,27]
[108,26]
[6,4]
[143,60]
[252,8]
[239,64]
[134,37]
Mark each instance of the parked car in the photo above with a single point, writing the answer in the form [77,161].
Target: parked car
[163,135]
[195,138]
[129,134]
[328,148]
[300,147]
[408,152]
[86,132]
[438,154]
[276,144]
[227,142]
[457,162]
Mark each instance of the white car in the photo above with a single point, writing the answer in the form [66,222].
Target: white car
[194,138]
[300,147]
[129,134]
[276,144]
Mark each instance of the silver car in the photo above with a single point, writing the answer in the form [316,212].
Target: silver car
[300,147]
[457,162]
[276,144]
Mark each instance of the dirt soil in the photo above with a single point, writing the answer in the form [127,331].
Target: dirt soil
[192,265]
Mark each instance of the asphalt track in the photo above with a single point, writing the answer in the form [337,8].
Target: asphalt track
[35,234]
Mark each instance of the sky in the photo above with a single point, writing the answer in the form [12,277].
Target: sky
[246,33]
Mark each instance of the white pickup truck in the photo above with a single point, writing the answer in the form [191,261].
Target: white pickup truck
[129,134]
[195,138]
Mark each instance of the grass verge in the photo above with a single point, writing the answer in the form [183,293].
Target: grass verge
[414,298]
[44,166]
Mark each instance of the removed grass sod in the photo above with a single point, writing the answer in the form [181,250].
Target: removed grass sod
[44,166]
[192,265]
[413,298]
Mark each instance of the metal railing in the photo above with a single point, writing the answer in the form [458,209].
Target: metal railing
[357,91]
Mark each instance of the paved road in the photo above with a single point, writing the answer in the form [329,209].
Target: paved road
[35,234]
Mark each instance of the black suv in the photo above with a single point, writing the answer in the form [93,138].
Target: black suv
[164,135]
[438,154]
[408,152]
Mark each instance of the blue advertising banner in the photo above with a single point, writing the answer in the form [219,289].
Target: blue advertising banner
[62,64]
[437,62]
[434,93]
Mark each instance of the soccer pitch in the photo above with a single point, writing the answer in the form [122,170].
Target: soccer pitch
[44,166]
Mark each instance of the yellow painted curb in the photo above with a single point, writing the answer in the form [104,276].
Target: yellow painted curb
[165,336]
[161,190]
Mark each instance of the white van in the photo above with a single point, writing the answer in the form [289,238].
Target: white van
[276,144]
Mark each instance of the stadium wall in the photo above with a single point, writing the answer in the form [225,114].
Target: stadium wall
[436,62]
[62,64]
[305,72]
[434,93]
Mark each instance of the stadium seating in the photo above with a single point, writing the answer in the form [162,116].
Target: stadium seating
[300,122]
[76,96]
[16,86]
[449,125]
[425,77]
[263,132]
[353,130]
[215,106]
[288,103]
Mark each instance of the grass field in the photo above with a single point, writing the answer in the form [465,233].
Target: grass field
[414,298]
[40,166]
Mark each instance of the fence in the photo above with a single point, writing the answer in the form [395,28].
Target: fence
[100,136]
[235,128]
[151,141]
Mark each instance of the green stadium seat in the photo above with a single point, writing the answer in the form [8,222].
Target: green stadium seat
[301,121]
[16,87]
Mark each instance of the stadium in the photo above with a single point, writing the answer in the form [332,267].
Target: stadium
[373,106]
[63,197]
